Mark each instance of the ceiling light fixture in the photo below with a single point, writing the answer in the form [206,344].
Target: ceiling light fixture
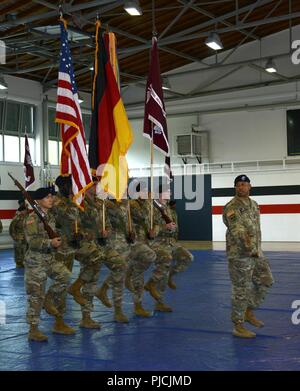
[3,84]
[133,8]
[214,41]
[270,66]
[165,83]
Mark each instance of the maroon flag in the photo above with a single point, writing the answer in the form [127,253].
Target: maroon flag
[155,122]
[28,166]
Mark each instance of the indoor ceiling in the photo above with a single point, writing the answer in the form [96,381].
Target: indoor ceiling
[182,26]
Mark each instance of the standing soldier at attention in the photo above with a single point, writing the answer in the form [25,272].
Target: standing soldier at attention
[249,270]
[182,257]
[40,263]
[16,231]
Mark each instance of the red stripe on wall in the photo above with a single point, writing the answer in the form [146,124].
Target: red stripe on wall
[266,209]
[7,213]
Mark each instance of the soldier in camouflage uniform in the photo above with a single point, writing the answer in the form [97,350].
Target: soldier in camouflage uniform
[91,257]
[67,219]
[141,256]
[182,257]
[66,215]
[16,231]
[160,244]
[40,263]
[1,227]
[116,252]
[248,267]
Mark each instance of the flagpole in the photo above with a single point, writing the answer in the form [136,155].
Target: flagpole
[103,216]
[151,178]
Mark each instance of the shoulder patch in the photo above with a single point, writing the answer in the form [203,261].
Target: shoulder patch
[30,221]
[230,213]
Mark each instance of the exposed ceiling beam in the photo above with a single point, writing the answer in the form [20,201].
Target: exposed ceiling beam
[252,31]
[162,43]
[261,69]
[175,20]
[214,79]
[212,16]
[216,20]
[275,19]
[223,91]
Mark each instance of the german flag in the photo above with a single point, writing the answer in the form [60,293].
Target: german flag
[111,133]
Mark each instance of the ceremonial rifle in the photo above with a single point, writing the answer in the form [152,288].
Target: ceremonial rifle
[40,213]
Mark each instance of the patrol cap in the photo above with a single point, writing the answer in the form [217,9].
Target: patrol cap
[42,192]
[62,180]
[241,178]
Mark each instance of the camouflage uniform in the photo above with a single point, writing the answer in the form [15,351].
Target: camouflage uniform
[66,217]
[141,255]
[182,257]
[40,263]
[90,255]
[117,249]
[16,231]
[160,245]
[248,268]
[1,227]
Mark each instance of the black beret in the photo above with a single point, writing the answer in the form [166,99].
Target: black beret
[62,180]
[241,178]
[42,192]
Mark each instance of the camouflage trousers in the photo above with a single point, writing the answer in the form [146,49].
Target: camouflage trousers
[141,257]
[250,278]
[90,256]
[116,252]
[37,270]
[162,266]
[20,248]
[182,259]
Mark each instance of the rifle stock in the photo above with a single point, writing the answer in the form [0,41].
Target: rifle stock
[42,216]
[162,212]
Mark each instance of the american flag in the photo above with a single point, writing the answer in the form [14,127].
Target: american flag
[74,159]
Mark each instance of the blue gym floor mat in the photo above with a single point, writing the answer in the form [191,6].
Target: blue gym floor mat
[195,337]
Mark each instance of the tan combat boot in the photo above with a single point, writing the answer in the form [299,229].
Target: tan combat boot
[60,327]
[150,287]
[36,335]
[119,316]
[101,294]
[162,307]
[49,306]
[241,331]
[128,283]
[88,323]
[140,311]
[251,318]
[171,283]
[74,290]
